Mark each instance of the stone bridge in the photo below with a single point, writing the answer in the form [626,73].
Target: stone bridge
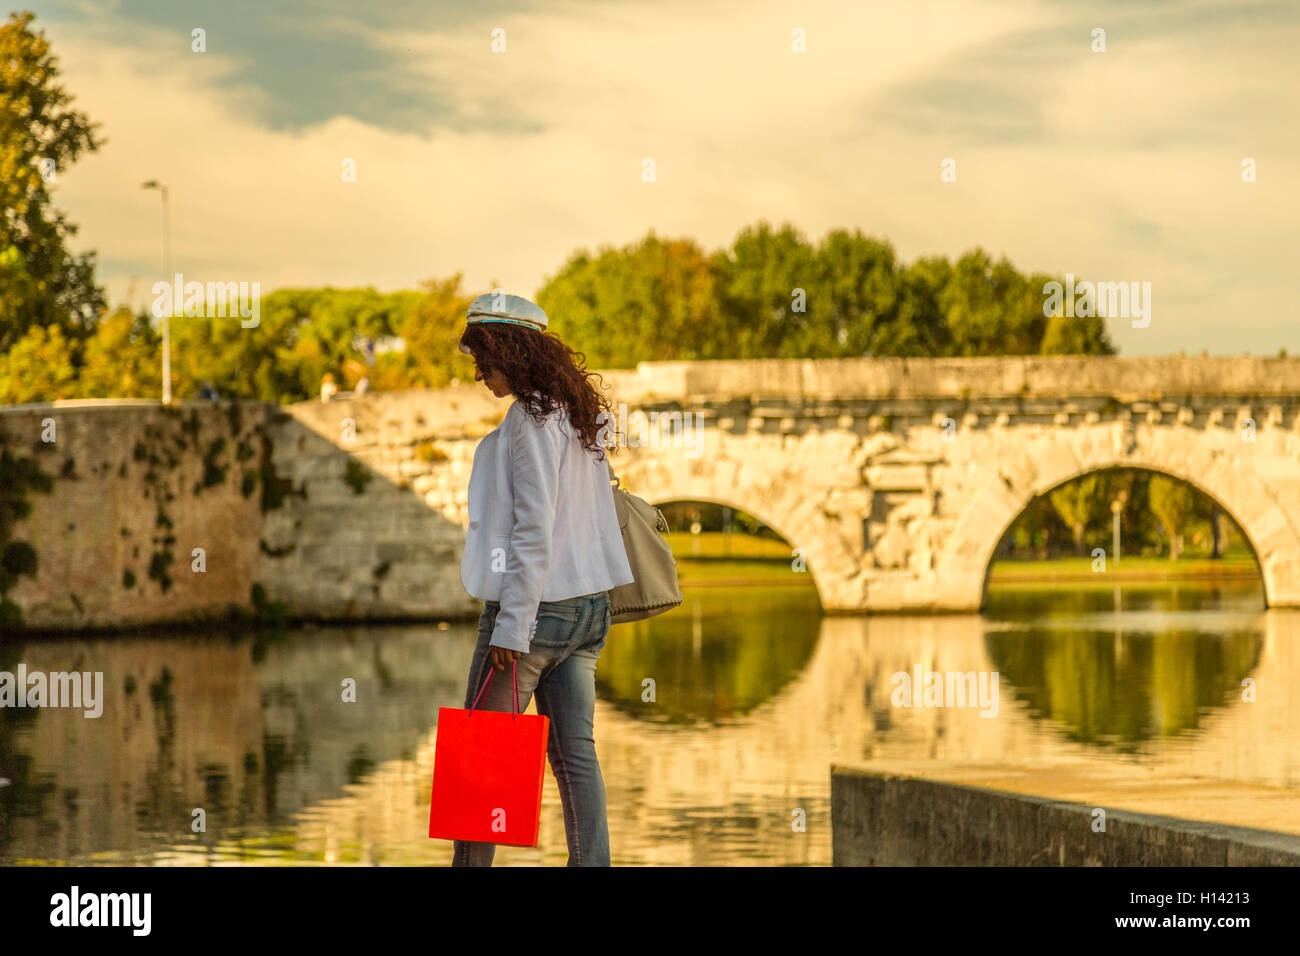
[897,478]
[893,480]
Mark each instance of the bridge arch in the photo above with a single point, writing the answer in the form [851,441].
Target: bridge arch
[816,555]
[783,504]
[1128,466]
[1240,492]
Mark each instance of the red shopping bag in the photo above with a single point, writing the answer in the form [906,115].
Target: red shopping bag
[487,773]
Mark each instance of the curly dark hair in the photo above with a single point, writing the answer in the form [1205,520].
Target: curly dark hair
[544,374]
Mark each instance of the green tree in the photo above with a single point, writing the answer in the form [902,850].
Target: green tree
[1076,336]
[301,335]
[757,279]
[17,288]
[1070,335]
[652,300]
[39,368]
[851,294]
[122,359]
[431,327]
[1079,505]
[988,308]
[667,299]
[1172,502]
[40,138]
[921,329]
[858,299]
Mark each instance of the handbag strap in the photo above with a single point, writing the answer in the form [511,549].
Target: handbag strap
[514,668]
[660,521]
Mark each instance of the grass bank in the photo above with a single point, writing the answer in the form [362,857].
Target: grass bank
[716,559]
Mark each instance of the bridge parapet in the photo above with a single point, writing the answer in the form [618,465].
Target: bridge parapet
[1048,376]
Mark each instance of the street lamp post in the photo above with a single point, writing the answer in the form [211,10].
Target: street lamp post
[1116,507]
[167,277]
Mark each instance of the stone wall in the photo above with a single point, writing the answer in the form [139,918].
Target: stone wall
[894,478]
[878,819]
[136,489]
[374,514]
[351,510]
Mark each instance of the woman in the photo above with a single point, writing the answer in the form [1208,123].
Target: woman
[543,550]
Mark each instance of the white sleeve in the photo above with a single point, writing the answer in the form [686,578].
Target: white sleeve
[535,453]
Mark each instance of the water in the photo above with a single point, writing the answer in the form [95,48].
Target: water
[757,694]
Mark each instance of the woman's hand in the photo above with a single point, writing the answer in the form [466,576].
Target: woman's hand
[502,656]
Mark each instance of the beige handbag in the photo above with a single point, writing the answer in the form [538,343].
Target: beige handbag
[654,568]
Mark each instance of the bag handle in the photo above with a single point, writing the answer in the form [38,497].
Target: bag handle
[661,523]
[514,667]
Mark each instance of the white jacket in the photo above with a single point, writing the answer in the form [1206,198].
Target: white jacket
[542,525]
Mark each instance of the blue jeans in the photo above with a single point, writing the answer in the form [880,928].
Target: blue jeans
[560,667]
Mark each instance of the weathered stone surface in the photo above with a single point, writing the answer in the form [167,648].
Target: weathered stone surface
[883,819]
[894,478]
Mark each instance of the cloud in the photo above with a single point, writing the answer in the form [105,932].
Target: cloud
[1123,165]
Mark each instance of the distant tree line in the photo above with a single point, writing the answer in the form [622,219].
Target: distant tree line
[774,294]
[771,294]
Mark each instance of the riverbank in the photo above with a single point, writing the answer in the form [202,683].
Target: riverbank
[751,567]
[1137,568]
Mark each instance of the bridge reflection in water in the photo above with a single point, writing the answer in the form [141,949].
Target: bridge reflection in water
[756,694]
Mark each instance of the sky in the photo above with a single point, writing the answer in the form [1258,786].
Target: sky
[1116,165]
